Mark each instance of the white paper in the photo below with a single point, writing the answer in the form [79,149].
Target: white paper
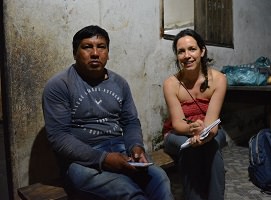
[203,134]
[138,164]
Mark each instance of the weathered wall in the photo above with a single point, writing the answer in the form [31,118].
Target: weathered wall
[38,44]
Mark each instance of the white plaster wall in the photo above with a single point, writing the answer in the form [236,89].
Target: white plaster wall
[43,31]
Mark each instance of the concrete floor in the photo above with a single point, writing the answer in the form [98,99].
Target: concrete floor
[238,186]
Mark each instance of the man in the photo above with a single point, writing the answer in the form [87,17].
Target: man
[92,124]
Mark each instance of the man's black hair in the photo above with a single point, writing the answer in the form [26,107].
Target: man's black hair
[88,32]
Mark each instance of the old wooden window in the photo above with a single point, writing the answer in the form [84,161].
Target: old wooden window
[211,18]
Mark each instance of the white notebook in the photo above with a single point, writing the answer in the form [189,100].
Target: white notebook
[203,134]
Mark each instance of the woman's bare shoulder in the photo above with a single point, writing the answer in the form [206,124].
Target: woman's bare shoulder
[219,80]
[217,75]
[171,80]
[171,84]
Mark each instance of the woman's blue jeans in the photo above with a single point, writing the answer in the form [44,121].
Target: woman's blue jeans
[152,183]
[201,168]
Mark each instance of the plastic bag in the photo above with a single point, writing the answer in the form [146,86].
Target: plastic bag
[253,74]
[263,62]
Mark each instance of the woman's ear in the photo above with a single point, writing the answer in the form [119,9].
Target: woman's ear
[203,52]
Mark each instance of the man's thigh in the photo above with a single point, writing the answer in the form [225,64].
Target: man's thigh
[104,184]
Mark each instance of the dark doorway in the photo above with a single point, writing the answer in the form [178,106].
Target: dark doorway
[5,179]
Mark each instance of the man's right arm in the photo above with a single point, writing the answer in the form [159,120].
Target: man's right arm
[57,116]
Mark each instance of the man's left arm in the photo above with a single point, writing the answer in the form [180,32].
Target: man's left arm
[130,123]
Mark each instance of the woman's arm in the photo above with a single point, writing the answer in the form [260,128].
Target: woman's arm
[219,85]
[170,88]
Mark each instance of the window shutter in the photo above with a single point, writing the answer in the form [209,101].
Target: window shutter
[213,21]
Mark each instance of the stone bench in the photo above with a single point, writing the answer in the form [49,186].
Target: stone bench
[55,190]
[42,191]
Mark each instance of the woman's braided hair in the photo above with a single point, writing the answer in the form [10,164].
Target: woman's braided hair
[204,60]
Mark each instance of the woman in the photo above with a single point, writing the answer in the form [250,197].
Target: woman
[194,97]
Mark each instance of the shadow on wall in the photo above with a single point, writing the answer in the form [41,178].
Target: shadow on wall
[43,165]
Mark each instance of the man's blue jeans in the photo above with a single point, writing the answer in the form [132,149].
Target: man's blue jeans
[149,184]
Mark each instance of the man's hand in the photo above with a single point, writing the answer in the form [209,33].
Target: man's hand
[117,162]
[138,155]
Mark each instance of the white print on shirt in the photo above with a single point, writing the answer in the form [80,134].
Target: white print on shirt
[98,102]
[116,128]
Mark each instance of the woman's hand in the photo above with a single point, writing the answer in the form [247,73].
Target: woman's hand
[195,128]
[195,141]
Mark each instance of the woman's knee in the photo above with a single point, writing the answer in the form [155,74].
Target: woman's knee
[221,138]
[172,143]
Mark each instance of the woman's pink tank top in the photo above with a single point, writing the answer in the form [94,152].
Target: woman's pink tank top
[191,111]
